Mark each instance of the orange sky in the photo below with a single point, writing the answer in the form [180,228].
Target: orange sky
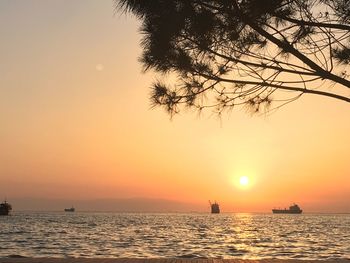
[76,123]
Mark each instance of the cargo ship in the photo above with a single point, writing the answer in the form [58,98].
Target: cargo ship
[5,208]
[215,208]
[72,209]
[293,209]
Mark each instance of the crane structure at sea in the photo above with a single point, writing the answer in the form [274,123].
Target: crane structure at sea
[215,208]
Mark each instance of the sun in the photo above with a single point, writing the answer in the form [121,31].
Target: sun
[244,180]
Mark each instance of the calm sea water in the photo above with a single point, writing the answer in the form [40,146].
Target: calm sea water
[248,236]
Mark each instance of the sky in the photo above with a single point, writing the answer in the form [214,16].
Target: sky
[76,124]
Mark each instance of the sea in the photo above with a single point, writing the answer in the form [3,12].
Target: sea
[175,235]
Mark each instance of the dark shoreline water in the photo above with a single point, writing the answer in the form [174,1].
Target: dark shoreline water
[175,235]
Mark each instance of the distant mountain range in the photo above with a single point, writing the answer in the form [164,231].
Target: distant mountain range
[100,205]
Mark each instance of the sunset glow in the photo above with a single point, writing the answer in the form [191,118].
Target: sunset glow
[77,124]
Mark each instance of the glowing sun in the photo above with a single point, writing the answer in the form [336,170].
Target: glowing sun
[244,181]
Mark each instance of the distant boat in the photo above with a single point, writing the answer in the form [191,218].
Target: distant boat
[72,209]
[293,209]
[5,208]
[215,208]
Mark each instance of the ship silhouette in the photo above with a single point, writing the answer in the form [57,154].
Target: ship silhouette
[5,208]
[215,208]
[72,209]
[293,209]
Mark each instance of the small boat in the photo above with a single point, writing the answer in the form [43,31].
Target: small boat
[293,209]
[5,208]
[72,209]
[215,208]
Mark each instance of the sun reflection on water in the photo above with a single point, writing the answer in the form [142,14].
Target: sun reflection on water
[245,236]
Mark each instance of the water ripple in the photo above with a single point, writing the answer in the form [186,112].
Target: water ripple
[247,236]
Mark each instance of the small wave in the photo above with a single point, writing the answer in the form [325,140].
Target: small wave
[52,221]
[232,250]
[78,223]
[16,232]
[16,256]
[21,241]
[190,256]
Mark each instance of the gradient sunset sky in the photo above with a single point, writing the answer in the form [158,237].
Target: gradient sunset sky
[76,123]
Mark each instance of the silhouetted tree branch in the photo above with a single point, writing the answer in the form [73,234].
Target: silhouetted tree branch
[244,52]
